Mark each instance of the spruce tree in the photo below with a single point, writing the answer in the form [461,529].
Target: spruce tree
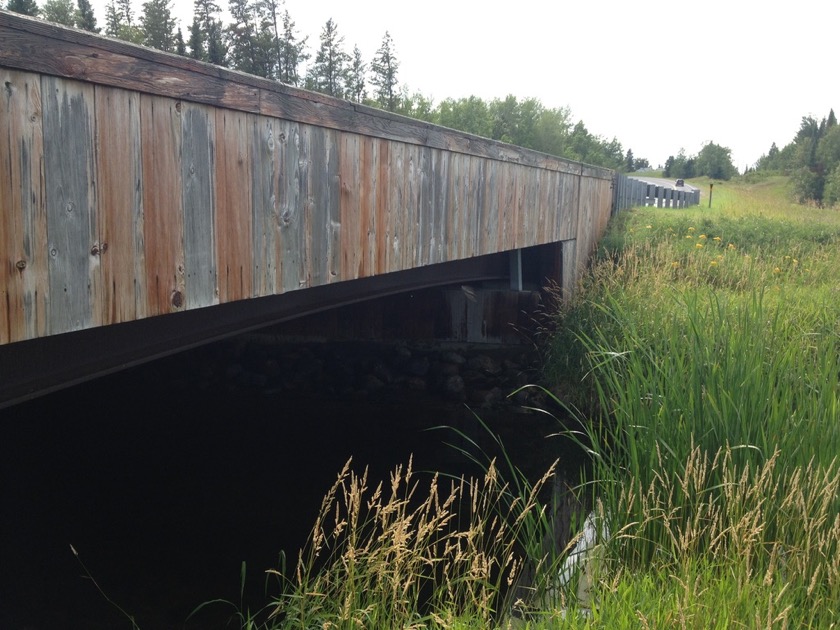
[180,44]
[384,69]
[85,18]
[329,72]
[60,12]
[197,39]
[24,7]
[356,77]
[158,25]
[241,36]
[292,53]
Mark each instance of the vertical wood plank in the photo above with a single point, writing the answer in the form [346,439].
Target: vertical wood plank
[396,206]
[353,245]
[233,206]
[294,198]
[368,187]
[160,133]
[324,227]
[383,205]
[411,215]
[440,206]
[199,199]
[75,299]
[489,220]
[264,219]
[24,282]
[119,177]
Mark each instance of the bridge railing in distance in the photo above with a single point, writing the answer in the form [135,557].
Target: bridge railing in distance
[634,191]
[137,183]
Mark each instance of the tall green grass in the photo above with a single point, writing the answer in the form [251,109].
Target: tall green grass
[711,344]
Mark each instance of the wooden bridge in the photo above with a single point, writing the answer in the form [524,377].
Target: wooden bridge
[136,184]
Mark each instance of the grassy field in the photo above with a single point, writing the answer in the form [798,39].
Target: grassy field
[700,362]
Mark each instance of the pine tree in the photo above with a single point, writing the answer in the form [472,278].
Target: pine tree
[292,53]
[197,39]
[329,72]
[356,77]
[113,20]
[158,25]
[216,51]
[24,7]
[384,69]
[832,120]
[180,44]
[207,14]
[241,36]
[85,18]
[629,162]
[60,12]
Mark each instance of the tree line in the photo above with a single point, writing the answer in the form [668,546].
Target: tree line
[812,160]
[261,38]
[713,161]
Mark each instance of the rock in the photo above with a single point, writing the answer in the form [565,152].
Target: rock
[485,364]
[416,383]
[454,387]
[418,366]
[453,357]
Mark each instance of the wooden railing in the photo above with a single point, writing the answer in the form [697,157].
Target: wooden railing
[135,183]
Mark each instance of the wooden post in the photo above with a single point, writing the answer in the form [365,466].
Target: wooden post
[711,186]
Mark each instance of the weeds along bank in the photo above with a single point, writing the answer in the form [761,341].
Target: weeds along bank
[710,341]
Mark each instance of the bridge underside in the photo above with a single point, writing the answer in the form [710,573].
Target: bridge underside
[32,368]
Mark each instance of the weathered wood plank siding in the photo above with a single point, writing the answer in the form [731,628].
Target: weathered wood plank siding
[135,183]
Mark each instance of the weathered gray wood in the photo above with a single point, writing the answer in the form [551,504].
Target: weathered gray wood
[293,189]
[24,280]
[199,200]
[440,205]
[71,207]
[264,215]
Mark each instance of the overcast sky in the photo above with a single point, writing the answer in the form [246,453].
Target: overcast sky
[658,75]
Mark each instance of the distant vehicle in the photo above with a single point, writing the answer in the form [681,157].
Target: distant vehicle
[680,183]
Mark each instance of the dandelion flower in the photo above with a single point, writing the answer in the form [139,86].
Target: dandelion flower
[699,245]
[713,263]
[703,236]
[691,229]
[730,246]
[716,238]
[689,236]
[777,270]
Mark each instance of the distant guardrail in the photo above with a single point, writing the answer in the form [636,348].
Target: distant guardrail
[631,192]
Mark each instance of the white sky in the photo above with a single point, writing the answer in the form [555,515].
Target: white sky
[658,75]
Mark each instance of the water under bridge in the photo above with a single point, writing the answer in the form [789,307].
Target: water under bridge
[150,203]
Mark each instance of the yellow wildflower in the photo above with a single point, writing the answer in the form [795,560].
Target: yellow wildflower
[649,226]
[675,264]
[689,236]
[713,263]
[703,236]
[691,229]
[730,246]
[699,245]
[777,270]
[716,238]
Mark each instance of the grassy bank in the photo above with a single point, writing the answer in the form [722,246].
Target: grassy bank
[711,343]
